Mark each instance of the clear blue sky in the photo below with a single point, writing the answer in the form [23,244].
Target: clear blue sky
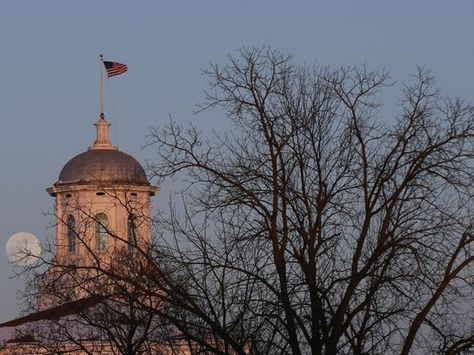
[49,73]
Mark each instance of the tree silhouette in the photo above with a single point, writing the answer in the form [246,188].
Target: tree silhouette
[314,226]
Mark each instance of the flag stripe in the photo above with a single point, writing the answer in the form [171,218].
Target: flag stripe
[114,68]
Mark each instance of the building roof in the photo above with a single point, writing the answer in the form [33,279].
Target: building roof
[56,312]
[103,165]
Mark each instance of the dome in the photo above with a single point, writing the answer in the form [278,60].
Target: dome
[103,165]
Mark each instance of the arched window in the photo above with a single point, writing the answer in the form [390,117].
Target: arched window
[71,234]
[101,223]
[131,231]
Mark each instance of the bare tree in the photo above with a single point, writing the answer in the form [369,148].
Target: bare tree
[312,227]
[316,227]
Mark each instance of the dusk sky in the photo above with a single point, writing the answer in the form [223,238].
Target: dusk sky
[49,75]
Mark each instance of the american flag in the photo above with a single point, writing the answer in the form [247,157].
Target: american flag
[114,68]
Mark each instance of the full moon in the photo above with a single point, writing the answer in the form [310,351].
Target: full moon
[23,248]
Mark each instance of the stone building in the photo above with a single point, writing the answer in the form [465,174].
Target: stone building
[102,206]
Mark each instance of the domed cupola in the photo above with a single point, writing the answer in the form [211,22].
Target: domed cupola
[102,163]
[102,203]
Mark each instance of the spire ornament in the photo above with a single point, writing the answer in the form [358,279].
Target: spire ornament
[102,140]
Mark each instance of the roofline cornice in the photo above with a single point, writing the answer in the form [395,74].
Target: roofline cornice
[106,186]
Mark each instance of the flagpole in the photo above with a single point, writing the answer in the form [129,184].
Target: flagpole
[101,86]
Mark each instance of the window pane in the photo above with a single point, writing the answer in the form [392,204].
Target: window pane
[132,237]
[101,231]
[71,234]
